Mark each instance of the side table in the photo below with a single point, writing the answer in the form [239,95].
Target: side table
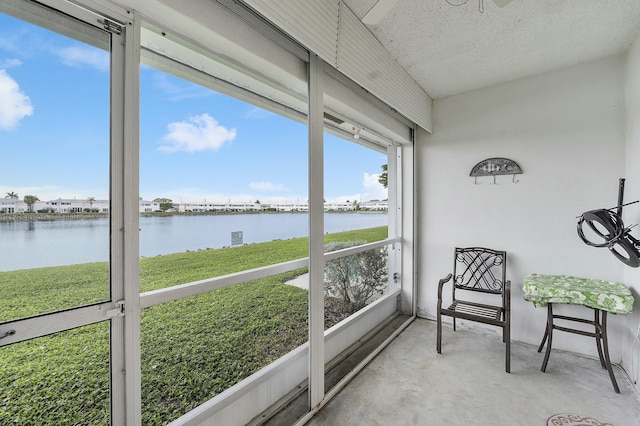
[600,295]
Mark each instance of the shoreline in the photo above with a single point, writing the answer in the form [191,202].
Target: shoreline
[46,217]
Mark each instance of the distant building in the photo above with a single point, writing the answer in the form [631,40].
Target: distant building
[217,207]
[339,206]
[69,205]
[11,205]
[286,207]
[374,205]
[146,206]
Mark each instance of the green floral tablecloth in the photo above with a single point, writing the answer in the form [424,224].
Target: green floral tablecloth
[598,294]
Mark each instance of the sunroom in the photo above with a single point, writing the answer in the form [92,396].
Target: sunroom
[304,92]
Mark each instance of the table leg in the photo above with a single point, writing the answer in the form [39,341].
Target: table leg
[548,335]
[598,333]
[544,338]
[605,344]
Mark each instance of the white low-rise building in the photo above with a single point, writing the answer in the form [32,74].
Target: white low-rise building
[339,206]
[286,207]
[73,205]
[378,205]
[11,205]
[69,205]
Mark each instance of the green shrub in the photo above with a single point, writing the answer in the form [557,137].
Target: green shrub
[357,279]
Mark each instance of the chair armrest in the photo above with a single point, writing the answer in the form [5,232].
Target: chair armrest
[441,284]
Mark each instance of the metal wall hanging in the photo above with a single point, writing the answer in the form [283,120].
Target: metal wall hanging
[607,226]
[495,166]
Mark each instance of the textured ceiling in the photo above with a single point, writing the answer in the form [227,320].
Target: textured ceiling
[450,50]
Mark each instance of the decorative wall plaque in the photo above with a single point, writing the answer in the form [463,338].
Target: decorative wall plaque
[496,166]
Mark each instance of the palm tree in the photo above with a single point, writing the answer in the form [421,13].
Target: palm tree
[12,195]
[30,200]
[91,200]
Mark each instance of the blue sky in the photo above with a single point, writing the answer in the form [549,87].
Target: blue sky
[195,144]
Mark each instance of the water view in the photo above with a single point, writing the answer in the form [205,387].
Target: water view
[34,244]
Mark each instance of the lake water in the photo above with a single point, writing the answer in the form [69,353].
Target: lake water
[25,245]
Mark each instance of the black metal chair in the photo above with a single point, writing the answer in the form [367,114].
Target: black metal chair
[478,269]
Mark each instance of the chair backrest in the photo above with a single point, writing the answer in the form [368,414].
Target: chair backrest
[479,269]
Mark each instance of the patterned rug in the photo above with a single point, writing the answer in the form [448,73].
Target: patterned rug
[574,420]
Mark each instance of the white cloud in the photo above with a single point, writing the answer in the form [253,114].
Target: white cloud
[181,90]
[14,104]
[10,63]
[199,133]
[258,113]
[79,56]
[266,186]
[375,190]
[13,41]
[345,198]
[371,190]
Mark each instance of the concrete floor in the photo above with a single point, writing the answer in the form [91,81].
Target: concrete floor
[408,383]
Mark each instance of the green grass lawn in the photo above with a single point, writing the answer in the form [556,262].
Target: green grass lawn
[191,349]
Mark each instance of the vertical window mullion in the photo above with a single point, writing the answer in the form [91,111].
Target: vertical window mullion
[131,218]
[407,219]
[125,283]
[316,233]
[394,185]
[118,394]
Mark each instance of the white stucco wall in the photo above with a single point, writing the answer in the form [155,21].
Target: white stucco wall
[567,130]
[632,213]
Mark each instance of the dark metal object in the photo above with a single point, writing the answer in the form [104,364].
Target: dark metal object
[600,334]
[478,269]
[620,196]
[609,220]
[8,333]
[614,234]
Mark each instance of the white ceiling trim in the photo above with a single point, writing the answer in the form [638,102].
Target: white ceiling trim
[362,58]
[334,33]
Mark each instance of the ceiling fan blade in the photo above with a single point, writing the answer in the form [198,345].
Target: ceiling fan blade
[378,11]
[501,3]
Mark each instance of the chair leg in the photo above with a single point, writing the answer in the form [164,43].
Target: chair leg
[507,336]
[454,323]
[439,334]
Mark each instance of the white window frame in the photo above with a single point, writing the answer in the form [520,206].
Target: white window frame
[124,232]
[62,16]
